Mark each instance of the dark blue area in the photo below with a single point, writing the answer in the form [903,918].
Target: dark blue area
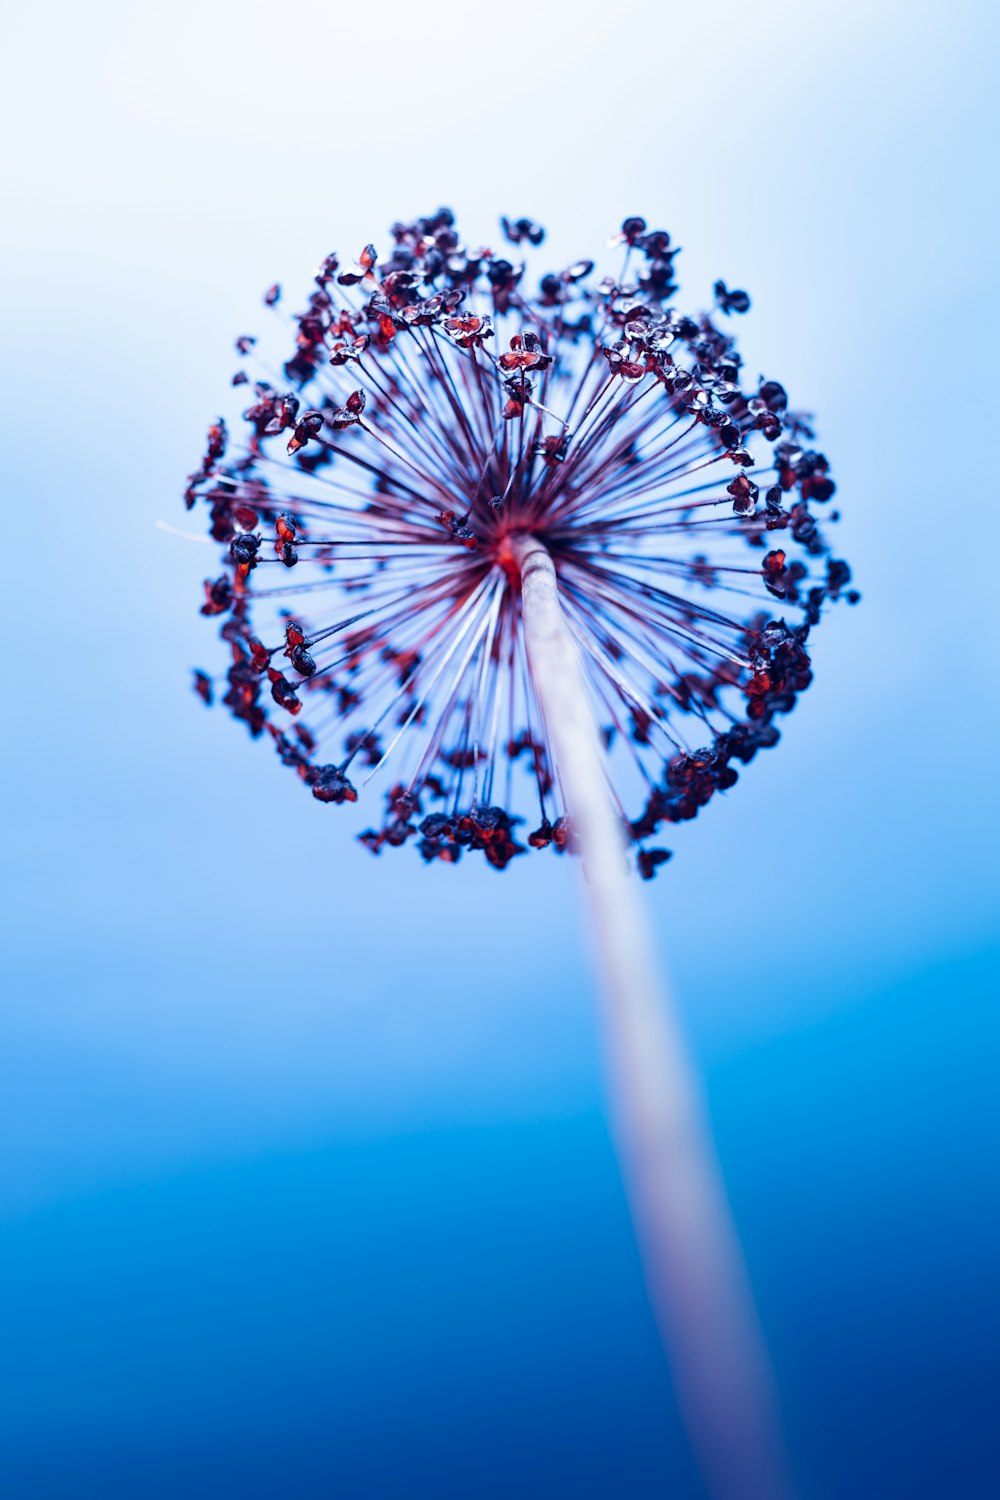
[461,1313]
[439,1315]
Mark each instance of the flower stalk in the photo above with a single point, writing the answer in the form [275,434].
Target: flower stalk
[691,1256]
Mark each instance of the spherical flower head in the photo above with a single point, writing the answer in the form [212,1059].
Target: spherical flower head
[438,406]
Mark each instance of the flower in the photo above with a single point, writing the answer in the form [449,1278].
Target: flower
[436,411]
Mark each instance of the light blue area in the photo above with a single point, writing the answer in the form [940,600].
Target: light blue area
[304,1180]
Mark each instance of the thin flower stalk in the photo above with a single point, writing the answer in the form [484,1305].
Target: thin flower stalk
[691,1253]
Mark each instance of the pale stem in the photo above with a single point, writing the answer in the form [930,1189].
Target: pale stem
[691,1254]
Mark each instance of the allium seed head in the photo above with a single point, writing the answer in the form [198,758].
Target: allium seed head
[438,406]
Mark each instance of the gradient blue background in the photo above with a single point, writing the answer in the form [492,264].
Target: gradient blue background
[335,1213]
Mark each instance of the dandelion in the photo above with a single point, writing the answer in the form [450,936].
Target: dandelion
[536,552]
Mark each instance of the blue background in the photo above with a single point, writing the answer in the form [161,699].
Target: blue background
[328,1206]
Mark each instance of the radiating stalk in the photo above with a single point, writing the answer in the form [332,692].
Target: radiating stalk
[690,1251]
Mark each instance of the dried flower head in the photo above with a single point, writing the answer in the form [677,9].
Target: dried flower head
[437,406]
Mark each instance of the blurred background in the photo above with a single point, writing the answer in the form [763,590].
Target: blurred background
[332,1209]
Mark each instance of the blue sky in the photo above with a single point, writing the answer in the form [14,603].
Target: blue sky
[427,1057]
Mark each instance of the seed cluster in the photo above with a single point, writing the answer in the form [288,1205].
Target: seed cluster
[436,405]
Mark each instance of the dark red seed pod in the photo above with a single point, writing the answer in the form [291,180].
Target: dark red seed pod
[329,784]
